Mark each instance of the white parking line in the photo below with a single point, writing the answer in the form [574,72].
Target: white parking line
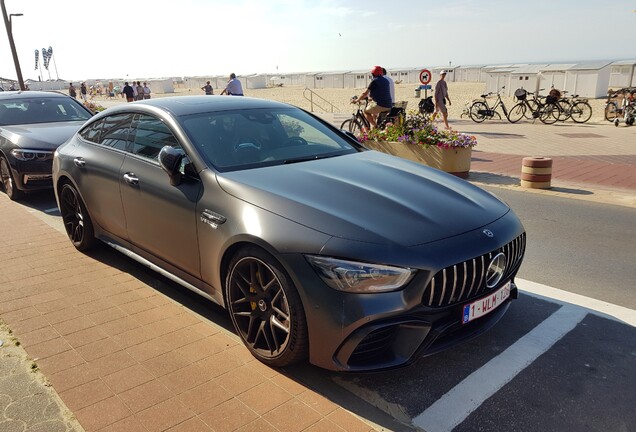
[597,307]
[453,408]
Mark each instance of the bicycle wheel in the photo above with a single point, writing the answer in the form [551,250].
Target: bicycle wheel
[566,109]
[353,126]
[581,112]
[611,111]
[550,113]
[532,107]
[477,112]
[517,112]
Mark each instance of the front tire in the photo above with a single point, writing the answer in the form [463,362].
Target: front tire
[550,113]
[611,111]
[266,309]
[8,183]
[516,113]
[77,222]
[352,126]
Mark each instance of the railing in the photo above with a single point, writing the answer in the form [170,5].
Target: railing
[329,106]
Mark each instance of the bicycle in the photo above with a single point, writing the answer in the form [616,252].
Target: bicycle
[578,109]
[480,109]
[358,121]
[615,112]
[545,108]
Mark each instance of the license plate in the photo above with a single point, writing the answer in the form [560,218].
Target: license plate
[486,304]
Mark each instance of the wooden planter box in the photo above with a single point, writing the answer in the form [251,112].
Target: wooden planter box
[454,160]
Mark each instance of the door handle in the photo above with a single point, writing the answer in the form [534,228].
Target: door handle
[80,162]
[131,178]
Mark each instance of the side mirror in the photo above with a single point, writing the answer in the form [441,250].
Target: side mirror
[170,161]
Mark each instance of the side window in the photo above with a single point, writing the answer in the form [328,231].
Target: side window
[151,135]
[115,131]
[92,132]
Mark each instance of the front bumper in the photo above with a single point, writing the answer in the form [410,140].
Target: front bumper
[362,332]
[32,175]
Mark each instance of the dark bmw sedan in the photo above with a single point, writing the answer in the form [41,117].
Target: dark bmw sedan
[318,247]
[32,125]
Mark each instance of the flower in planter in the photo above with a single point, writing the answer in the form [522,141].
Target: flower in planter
[418,129]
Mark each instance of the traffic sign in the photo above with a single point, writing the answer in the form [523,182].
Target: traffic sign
[425,76]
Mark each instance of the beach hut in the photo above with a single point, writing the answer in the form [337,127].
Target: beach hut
[162,85]
[551,76]
[450,73]
[588,79]
[334,79]
[623,74]
[526,77]
[255,81]
[500,77]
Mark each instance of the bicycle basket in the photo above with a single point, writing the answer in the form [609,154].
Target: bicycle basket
[551,99]
[555,94]
[521,94]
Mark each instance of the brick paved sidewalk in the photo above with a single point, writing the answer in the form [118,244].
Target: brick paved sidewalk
[125,357]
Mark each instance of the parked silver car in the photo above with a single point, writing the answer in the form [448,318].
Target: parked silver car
[318,247]
[32,125]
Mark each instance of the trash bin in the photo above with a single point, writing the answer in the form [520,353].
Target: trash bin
[536,172]
[418,91]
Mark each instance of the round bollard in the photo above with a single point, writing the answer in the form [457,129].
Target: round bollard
[536,172]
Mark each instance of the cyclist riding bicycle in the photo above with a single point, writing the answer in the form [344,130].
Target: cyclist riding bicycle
[380,92]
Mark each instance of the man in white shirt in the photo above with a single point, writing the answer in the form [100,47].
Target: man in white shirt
[391,85]
[234,87]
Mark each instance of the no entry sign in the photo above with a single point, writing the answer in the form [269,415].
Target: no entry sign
[425,76]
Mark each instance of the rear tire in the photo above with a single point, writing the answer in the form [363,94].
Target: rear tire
[265,308]
[77,222]
[566,110]
[475,109]
[581,112]
[516,113]
[8,182]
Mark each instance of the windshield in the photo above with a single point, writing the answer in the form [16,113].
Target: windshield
[41,110]
[239,139]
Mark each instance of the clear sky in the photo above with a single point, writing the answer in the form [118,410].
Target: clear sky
[151,38]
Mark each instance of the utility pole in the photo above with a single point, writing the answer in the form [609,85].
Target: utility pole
[7,24]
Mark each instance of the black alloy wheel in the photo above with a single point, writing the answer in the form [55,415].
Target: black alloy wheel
[10,188]
[265,308]
[77,223]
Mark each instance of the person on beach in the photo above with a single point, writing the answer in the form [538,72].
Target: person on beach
[380,91]
[83,92]
[207,88]
[146,91]
[441,96]
[234,87]
[71,91]
[129,92]
[140,91]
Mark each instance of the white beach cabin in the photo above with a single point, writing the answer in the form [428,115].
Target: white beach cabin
[623,74]
[588,79]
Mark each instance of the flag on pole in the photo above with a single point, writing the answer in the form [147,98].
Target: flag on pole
[37,59]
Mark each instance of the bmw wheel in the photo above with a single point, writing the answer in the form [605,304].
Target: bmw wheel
[266,309]
[77,223]
[10,188]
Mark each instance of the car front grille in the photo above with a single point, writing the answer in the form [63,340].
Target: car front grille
[374,347]
[462,281]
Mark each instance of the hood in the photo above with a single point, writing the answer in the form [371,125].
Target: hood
[40,136]
[369,197]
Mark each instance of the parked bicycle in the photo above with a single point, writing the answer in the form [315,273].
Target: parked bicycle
[578,109]
[358,121]
[546,108]
[481,110]
[623,110]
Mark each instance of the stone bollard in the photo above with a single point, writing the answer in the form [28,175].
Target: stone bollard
[536,172]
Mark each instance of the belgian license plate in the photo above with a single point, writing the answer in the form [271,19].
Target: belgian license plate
[486,304]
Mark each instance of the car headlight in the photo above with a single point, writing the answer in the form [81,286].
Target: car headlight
[358,277]
[29,155]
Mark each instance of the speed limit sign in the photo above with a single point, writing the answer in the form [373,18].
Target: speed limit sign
[425,76]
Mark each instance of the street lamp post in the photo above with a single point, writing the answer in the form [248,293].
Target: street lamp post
[7,24]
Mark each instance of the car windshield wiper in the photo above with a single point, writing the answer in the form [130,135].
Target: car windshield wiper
[308,158]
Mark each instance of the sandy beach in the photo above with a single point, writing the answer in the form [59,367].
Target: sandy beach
[461,94]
